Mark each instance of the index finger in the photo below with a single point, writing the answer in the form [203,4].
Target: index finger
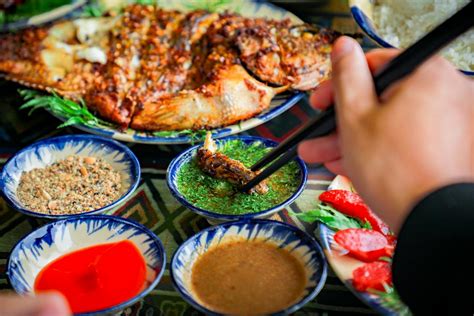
[379,57]
[323,96]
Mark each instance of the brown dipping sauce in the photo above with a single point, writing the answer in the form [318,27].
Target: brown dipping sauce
[247,278]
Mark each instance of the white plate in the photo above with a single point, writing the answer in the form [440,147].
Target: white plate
[343,265]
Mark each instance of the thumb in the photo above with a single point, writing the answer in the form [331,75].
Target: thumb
[47,304]
[354,90]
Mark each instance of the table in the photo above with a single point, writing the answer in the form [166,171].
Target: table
[152,204]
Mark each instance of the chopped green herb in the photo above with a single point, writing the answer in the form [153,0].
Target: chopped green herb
[195,136]
[30,8]
[386,259]
[329,216]
[146,2]
[208,5]
[221,197]
[93,10]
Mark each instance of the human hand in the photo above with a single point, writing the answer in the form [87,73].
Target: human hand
[417,137]
[47,304]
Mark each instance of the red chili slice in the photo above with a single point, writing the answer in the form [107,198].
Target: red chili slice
[372,276]
[351,204]
[392,242]
[363,244]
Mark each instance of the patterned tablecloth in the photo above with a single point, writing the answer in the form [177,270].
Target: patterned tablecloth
[152,204]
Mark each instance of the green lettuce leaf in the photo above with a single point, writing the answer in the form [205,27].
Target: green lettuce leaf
[330,217]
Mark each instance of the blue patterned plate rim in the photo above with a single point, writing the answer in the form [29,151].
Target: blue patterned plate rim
[311,241]
[363,21]
[135,177]
[121,220]
[176,164]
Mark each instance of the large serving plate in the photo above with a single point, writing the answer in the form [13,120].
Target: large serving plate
[343,265]
[279,104]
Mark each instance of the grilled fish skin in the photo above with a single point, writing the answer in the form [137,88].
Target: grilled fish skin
[282,54]
[153,69]
[220,166]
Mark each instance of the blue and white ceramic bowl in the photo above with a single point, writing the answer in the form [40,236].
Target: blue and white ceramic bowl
[288,237]
[48,151]
[189,154]
[362,11]
[58,238]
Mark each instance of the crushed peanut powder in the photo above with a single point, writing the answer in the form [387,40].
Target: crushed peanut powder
[70,186]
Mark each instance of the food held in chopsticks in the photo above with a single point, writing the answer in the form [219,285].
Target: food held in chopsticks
[220,166]
[230,161]
[96,277]
[70,186]
[153,69]
[248,278]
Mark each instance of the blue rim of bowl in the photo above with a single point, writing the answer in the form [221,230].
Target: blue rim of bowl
[121,147]
[206,213]
[122,220]
[363,22]
[291,309]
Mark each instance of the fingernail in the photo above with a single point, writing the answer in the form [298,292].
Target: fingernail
[342,47]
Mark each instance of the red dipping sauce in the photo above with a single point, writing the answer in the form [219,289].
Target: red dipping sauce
[96,277]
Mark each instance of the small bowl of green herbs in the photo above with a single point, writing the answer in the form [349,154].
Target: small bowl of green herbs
[220,201]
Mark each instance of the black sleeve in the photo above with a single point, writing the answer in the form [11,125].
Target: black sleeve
[432,267]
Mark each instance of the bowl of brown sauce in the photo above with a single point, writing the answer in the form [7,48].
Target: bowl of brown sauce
[249,267]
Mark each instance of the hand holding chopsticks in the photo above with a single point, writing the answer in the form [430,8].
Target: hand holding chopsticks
[402,65]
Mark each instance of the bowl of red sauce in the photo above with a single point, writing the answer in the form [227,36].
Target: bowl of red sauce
[100,263]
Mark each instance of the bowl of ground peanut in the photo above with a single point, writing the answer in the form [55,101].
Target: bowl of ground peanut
[70,175]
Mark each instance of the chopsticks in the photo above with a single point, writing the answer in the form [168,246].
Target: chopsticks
[402,65]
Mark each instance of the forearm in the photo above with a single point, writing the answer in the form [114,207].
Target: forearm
[431,268]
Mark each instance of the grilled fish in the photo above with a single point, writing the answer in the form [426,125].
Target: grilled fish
[154,69]
[220,166]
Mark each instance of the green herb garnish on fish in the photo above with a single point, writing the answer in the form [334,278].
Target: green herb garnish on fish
[78,113]
[74,112]
[29,9]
